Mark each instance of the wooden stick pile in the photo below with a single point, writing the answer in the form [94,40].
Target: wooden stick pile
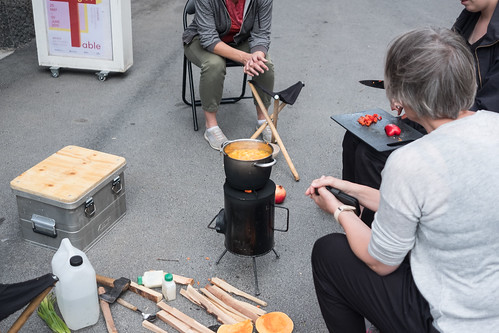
[215,298]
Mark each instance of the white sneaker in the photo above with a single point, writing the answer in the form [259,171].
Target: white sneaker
[266,133]
[215,137]
[276,148]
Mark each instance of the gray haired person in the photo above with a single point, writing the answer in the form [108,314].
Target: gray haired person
[429,262]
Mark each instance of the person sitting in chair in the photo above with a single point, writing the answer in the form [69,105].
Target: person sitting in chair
[238,30]
[436,207]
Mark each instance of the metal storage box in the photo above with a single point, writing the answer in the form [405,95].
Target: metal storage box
[76,193]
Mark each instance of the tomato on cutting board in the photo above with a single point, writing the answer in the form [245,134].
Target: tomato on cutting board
[392,130]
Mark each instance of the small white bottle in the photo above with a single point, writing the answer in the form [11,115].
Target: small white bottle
[169,288]
[151,279]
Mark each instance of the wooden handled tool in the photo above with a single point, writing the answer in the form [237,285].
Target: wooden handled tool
[106,311]
[145,316]
[126,304]
[141,290]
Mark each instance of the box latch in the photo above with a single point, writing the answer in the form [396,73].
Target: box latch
[117,186]
[44,225]
[89,207]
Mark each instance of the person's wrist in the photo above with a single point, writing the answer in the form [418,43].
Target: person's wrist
[341,209]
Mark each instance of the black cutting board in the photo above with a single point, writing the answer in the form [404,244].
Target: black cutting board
[375,135]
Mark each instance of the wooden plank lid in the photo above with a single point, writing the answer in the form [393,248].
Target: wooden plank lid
[68,175]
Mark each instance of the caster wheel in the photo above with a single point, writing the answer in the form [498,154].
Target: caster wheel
[102,75]
[54,72]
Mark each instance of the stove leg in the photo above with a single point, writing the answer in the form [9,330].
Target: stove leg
[257,290]
[276,254]
[220,258]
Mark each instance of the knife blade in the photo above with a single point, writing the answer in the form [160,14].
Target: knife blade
[380,84]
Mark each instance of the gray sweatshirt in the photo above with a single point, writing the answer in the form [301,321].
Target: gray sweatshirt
[212,21]
[438,199]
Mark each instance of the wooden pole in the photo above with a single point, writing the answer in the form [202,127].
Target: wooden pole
[21,320]
[260,129]
[274,119]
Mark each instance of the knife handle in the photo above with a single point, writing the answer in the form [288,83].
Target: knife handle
[344,198]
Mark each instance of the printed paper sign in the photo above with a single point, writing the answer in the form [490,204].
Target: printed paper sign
[79,28]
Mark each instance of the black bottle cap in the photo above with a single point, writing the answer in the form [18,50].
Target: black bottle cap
[76,260]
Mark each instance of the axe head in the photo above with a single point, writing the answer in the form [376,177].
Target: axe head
[120,285]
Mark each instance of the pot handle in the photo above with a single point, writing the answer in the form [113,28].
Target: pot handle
[287,219]
[265,165]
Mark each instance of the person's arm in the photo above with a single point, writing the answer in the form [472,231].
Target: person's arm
[487,97]
[357,232]
[229,52]
[254,63]
[260,32]
[358,236]
[368,197]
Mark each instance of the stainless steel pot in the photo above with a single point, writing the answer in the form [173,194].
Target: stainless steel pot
[247,174]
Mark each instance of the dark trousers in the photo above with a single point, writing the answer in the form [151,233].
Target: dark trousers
[363,164]
[349,291]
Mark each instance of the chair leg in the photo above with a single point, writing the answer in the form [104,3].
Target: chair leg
[184,82]
[187,76]
[230,100]
[243,90]
[187,71]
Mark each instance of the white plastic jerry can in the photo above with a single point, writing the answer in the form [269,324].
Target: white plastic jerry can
[76,290]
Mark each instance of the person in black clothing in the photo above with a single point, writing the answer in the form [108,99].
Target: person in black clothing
[478,24]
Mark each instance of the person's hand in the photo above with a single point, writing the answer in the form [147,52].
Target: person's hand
[322,197]
[255,65]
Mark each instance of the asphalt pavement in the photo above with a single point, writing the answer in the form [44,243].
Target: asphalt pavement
[174,180]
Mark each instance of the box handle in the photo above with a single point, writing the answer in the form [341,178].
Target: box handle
[89,207]
[44,225]
[117,186]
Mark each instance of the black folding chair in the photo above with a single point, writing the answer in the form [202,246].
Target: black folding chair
[190,9]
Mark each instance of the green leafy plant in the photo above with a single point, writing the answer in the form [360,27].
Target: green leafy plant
[47,312]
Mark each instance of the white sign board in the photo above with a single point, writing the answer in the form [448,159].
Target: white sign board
[79,29]
[85,34]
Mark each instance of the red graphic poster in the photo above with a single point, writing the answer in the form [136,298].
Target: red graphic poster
[79,28]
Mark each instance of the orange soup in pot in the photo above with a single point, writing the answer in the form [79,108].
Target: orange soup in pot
[248,154]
